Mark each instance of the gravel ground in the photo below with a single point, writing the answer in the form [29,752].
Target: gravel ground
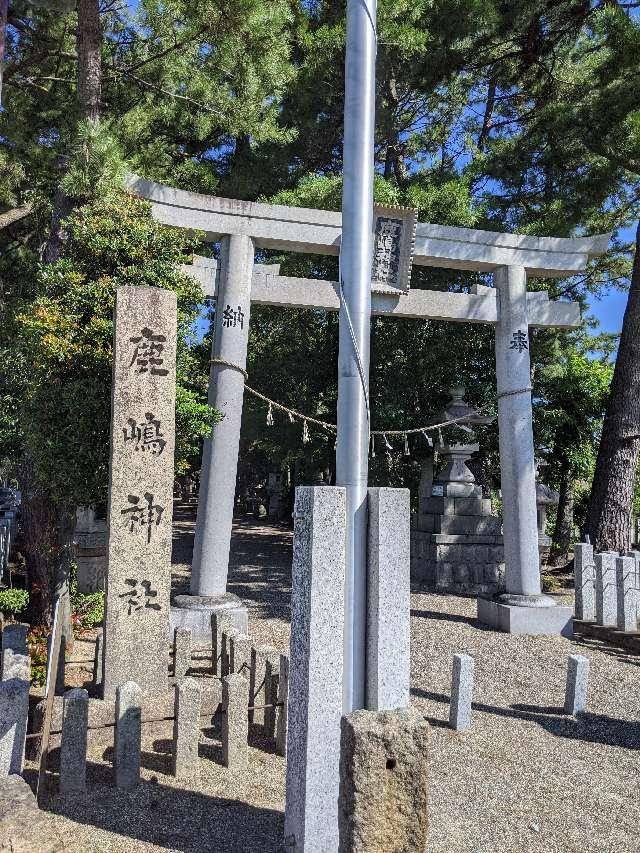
[525,778]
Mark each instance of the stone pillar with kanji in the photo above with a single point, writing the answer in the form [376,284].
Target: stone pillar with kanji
[140,490]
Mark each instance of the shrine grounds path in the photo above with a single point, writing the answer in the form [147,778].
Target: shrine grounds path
[525,779]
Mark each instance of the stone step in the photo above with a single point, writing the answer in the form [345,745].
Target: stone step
[468,525]
[457,506]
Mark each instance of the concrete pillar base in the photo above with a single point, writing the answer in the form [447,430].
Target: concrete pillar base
[541,617]
[194,612]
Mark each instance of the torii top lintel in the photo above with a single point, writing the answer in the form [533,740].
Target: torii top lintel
[307,230]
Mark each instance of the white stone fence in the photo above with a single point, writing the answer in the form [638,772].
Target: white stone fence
[607,587]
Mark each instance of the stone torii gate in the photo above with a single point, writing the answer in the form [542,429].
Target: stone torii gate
[236,282]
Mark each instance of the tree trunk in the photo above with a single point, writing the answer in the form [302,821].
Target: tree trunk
[609,519]
[563,529]
[89,71]
[88,89]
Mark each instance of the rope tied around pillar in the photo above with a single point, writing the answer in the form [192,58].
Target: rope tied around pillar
[224,363]
[515,393]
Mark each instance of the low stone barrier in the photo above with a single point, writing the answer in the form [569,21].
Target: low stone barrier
[607,589]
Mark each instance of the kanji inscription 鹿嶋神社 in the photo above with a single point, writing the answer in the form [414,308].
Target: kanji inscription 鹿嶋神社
[145,434]
[140,490]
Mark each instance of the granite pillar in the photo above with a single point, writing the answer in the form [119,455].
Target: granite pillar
[181,653]
[575,697]
[220,452]
[315,670]
[388,599]
[140,490]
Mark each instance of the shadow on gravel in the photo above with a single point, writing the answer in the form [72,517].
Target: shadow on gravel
[593,728]
[446,617]
[175,818]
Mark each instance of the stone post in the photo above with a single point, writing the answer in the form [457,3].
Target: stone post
[240,645]
[14,636]
[98,658]
[220,452]
[128,735]
[15,666]
[522,609]
[627,597]
[388,599]
[220,622]
[281,713]
[383,782]
[264,660]
[315,670]
[461,693]
[186,729]
[235,721]
[14,708]
[606,591]
[181,653]
[575,697]
[73,748]
[271,684]
[141,490]
[226,656]
[584,581]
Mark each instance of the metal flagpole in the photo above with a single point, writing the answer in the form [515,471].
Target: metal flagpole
[355,319]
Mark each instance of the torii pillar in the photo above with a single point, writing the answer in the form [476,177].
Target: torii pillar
[522,609]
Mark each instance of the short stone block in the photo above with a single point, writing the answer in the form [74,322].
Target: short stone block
[225,656]
[264,660]
[186,729]
[271,682]
[606,590]
[384,761]
[73,749]
[14,709]
[525,620]
[575,697]
[584,581]
[388,599]
[461,692]
[235,721]
[127,735]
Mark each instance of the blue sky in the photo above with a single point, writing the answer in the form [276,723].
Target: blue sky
[609,310]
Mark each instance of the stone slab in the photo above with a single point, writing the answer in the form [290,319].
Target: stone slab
[128,735]
[235,721]
[315,669]
[525,620]
[140,490]
[384,771]
[628,640]
[388,599]
[73,750]
[14,637]
[627,593]
[186,729]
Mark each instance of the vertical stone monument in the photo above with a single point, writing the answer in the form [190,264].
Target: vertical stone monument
[140,490]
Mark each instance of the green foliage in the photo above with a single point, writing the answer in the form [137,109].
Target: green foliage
[13,601]
[96,165]
[63,340]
